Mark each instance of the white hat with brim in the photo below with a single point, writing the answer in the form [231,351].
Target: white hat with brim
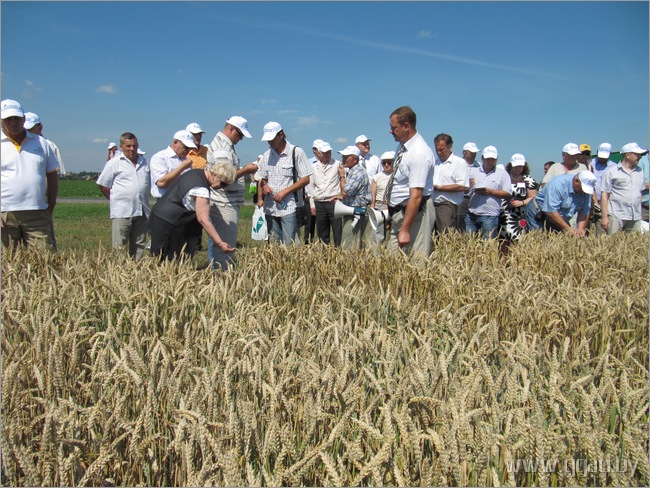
[186,138]
[350,151]
[518,160]
[11,108]
[31,119]
[271,130]
[195,128]
[388,155]
[633,147]
[111,145]
[571,149]
[241,123]
[361,138]
[490,152]
[587,181]
[324,147]
[604,150]
[471,147]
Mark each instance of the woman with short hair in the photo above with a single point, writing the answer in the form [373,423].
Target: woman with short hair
[175,215]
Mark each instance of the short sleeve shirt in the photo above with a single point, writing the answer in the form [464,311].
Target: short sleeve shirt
[232,194]
[497,179]
[162,162]
[357,187]
[23,173]
[277,170]
[559,196]
[415,170]
[129,185]
[624,191]
[451,172]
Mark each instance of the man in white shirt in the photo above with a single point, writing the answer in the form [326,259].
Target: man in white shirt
[450,181]
[570,165]
[470,150]
[370,162]
[324,183]
[125,183]
[226,202]
[409,191]
[34,125]
[167,165]
[29,182]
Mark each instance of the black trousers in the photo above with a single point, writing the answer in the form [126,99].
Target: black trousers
[325,222]
[169,241]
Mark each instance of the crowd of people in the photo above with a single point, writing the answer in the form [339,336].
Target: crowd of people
[398,200]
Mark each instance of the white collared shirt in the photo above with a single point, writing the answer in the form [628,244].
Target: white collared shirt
[163,162]
[453,171]
[232,194]
[23,179]
[324,181]
[129,185]
[414,171]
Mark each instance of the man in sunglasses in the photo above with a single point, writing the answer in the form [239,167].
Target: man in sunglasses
[226,202]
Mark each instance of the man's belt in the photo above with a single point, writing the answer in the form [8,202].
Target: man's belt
[402,206]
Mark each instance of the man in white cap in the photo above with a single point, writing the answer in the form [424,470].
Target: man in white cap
[470,150]
[112,149]
[563,198]
[34,125]
[199,156]
[226,202]
[284,172]
[125,182]
[378,184]
[597,166]
[450,181]
[354,186]
[489,184]
[324,188]
[570,165]
[310,225]
[368,161]
[29,182]
[167,165]
[621,192]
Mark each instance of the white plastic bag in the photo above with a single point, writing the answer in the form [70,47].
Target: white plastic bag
[259,231]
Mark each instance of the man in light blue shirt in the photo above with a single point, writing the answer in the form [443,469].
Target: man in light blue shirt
[559,200]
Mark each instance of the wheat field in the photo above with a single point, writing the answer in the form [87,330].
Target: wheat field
[322,367]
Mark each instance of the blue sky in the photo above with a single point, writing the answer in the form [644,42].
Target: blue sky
[524,76]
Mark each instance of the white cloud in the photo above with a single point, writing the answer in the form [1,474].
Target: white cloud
[424,34]
[341,140]
[111,89]
[269,101]
[30,89]
[100,140]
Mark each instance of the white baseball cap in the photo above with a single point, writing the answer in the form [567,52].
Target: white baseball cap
[518,160]
[31,119]
[270,131]
[604,150]
[471,147]
[241,123]
[111,145]
[316,143]
[195,128]
[633,147]
[361,138]
[587,181]
[10,108]
[388,155]
[350,151]
[490,152]
[571,149]
[186,138]
[324,147]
